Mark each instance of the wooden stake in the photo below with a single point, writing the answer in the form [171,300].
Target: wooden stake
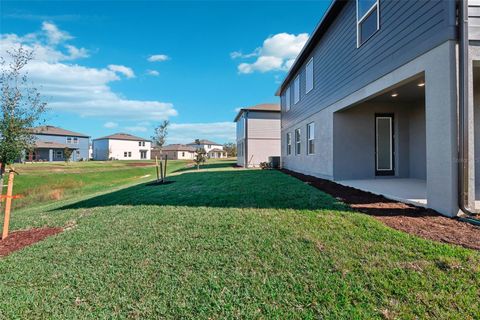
[8,204]
[157,168]
[161,170]
[165,168]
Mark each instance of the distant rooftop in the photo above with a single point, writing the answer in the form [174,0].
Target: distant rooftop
[39,144]
[178,147]
[56,131]
[204,141]
[122,136]
[266,107]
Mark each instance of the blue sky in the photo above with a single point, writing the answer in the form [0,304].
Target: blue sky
[123,66]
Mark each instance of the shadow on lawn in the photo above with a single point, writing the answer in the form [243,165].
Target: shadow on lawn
[239,189]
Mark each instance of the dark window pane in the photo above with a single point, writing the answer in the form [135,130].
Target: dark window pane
[364,6]
[368,26]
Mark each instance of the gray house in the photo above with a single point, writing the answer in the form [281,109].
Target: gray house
[51,142]
[383,98]
[258,134]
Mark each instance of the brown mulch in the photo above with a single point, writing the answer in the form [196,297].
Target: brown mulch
[419,221]
[22,238]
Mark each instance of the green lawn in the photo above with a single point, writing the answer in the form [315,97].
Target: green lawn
[230,243]
[44,182]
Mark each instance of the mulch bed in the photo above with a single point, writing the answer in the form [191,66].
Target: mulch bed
[22,238]
[422,222]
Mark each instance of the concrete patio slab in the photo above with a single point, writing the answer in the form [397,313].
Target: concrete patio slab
[412,191]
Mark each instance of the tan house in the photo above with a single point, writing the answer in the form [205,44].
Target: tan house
[258,134]
[178,152]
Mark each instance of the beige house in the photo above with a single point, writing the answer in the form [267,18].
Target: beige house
[179,152]
[121,146]
[258,134]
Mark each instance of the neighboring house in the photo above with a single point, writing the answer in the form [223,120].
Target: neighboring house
[371,101]
[213,150]
[121,146]
[179,152]
[51,142]
[258,134]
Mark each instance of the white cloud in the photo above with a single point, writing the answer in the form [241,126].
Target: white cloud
[136,129]
[110,125]
[75,88]
[54,34]
[187,132]
[158,58]
[154,73]
[126,71]
[277,53]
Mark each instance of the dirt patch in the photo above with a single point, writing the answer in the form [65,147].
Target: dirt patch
[422,222]
[22,238]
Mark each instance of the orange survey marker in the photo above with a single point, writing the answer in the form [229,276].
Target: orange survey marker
[8,204]
[15,196]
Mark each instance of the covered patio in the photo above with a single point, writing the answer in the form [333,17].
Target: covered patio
[49,151]
[380,143]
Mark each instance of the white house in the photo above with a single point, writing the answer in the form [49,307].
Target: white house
[213,149]
[121,146]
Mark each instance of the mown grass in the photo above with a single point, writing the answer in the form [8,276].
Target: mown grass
[47,182]
[224,243]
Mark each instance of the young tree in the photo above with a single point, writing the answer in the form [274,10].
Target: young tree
[160,134]
[230,148]
[67,154]
[200,157]
[21,107]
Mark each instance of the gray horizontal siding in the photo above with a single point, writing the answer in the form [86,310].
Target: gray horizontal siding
[408,29]
[474,19]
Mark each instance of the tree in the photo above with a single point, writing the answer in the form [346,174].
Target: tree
[230,148]
[200,157]
[67,154]
[21,108]
[160,134]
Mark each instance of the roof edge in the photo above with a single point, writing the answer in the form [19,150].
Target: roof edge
[330,15]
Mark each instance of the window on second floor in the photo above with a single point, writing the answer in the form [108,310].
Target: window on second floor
[309,76]
[75,140]
[368,20]
[297,141]
[296,89]
[287,99]
[69,139]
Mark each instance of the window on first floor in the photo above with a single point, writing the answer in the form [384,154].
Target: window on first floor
[125,154]
[289,143]
[143,154]
[129,154]
[297,141]
[368,20]
[311,138]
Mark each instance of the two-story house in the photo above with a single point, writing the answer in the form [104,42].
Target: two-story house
[51,142]
[121,146]
[213,149]
[382,98]
[258,134]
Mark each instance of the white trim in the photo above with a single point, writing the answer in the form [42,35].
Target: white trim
[390,142]
[375,6]
[306,76]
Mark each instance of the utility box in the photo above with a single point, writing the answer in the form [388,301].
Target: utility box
[274,162]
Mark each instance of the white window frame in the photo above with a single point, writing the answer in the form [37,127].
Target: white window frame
[289,143]
[69,140]
[375,6]
[298,141]
[125,154]
[307,88]
[296,89]
[311,138]
[75,140]
[288,99]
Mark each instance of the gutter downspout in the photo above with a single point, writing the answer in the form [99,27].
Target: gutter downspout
[245,141]
[463,154]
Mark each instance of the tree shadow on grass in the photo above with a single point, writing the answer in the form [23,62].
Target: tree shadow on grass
[236,189]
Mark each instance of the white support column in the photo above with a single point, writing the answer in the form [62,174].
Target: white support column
[441,131]
[50,155]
